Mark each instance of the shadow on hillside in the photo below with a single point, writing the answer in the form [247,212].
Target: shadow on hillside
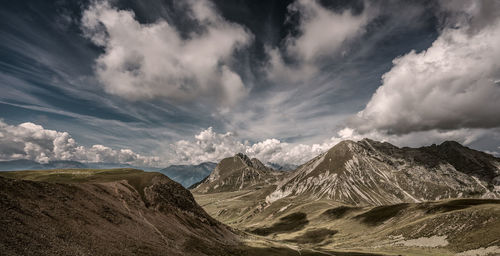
[290,223]
[379,214]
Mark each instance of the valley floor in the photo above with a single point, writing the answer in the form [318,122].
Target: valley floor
[324,227]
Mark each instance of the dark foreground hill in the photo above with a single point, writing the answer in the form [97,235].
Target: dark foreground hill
[96,212]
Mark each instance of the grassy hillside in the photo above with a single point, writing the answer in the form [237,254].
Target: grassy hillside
[443,227]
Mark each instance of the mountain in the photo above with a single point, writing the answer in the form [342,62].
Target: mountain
[282,167]
[188,175]
[368,196]
[236,173]
[374,173]
[369,173]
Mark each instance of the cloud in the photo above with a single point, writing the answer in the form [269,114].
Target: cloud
[207,146]
[449,86]
[147,61]
[33,142]
[322,33]
[211,146]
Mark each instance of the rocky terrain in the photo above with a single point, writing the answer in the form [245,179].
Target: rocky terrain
[367,196]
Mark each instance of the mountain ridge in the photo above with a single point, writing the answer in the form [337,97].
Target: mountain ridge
[369,172]
[377,173]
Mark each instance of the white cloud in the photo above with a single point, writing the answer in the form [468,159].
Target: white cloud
[33,142]
[322,34]
[449,86]
[211,146]
[207,146]
[145,61]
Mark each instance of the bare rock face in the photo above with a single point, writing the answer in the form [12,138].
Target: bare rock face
[237,173]
[374,173]
[132,213]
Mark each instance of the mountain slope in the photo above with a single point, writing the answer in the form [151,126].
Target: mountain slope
[443,227]
[374,173]
[104,212]
[236,173]
[188,175]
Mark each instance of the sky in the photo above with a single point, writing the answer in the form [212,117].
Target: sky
[154,83]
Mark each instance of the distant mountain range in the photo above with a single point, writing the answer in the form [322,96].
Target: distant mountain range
[24,164]
[188,175]
[282,167]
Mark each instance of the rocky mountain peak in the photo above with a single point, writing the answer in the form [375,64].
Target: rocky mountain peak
[252,162]
[244,158]
[451,144]
[369,172]
[236,173]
